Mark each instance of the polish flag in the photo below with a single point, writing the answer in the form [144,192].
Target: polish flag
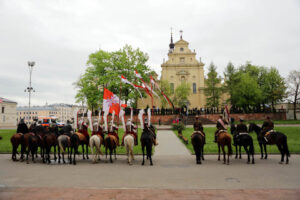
[125,80]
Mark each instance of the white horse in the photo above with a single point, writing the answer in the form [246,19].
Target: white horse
[129,144]
[96,141]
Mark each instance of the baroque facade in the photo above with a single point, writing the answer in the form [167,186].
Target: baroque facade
[8,116]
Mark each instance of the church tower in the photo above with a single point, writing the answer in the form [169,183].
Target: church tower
[182,66]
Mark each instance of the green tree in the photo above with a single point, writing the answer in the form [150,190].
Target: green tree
[213,87]
[104,70]
[230,81]
[246,92]
[182,92]
[274,89]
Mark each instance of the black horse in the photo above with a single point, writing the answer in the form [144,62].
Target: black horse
[147,141]
[246,141]
[277,138]
[74,147]
[198,144]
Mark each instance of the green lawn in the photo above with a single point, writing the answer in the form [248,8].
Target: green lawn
[292,133]
[5,145]
[275,122]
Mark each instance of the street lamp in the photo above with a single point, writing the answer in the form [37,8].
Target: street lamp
[30,89]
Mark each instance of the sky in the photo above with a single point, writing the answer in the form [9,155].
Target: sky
[59,35]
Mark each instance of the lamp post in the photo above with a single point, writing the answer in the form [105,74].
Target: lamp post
[29,89]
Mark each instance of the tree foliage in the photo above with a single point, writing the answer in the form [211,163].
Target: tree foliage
[104,70]
[213,86]
[182,92]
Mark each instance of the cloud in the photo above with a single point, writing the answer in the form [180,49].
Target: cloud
[59,36]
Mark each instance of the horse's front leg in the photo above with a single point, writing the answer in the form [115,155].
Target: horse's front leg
[261,150]
[143,149]
[115,153]
[55,158]
[240,151]
[87,151]
[224,154]
[248,153]
[281,152]
[265,147]
[202,153]
[236,152]
[82,146]
[110,155]
[219,151]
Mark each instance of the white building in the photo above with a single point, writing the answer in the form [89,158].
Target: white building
[8,116]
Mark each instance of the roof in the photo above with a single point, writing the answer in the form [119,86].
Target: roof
[25,108]
[6,100]
[181,41]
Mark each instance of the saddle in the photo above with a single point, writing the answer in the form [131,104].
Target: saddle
[245,133]
[199,132]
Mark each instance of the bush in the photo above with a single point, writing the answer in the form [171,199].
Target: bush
[178,127]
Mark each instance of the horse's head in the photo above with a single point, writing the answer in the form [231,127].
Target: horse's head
[254,127]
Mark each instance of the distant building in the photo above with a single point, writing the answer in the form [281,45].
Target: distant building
[61,112]
[8,117]
[289,109]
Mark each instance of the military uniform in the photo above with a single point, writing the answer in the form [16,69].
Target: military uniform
[267,126]
[113,130]
[131,129]
[198,129]
[221,125]
[241,128]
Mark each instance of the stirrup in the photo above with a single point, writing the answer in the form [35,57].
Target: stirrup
[266,139]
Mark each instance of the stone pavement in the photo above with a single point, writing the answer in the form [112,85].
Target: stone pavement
[174,175]
[169,144]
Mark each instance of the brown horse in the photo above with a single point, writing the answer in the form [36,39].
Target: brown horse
[224,139]
[25,145]
[15,141]
[198,144]
[49,140]
[111,142]
[83,140]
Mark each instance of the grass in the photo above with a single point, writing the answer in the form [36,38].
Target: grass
[5,145]
[275,122]
[292,133]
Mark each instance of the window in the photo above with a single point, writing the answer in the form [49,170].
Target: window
[172,87]
[182,60]
[181,49]
[194,88]
[3,110]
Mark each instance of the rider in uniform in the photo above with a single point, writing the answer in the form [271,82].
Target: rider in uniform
[84,130]
[152,131]
[198,128]
[221,126]
[67,129]
[113,130]
[130,129]
[22,127]
[240,129]
[267,128]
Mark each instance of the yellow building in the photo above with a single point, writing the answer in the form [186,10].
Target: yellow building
[183,66]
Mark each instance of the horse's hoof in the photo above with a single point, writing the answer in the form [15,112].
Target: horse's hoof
[202,158]
[143,163]
[198,163]
[27,162]
[240,157]
[151,164]
[253,162]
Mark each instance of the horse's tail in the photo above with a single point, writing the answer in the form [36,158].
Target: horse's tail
[285,147]
[92,143]
[60,145]
[229,149]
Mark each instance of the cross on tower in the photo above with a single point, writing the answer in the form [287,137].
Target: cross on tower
[181,34]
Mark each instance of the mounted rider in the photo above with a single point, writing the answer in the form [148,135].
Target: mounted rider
[22,127]
[131,129]
[267,128]
[151,128]
[83,128]
[240,129]
[221,126]
[113,130]
[67,129]
[198,128]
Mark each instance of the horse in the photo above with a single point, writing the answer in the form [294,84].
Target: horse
[246,141]
[83,140]
[49,140]
[96,141]
[129,144]
[25,145]
[64,142]
[74,146]
[277,138]
[34,141]
[111,143]
[198,144]
[224,139]
[15,141]
[147,141]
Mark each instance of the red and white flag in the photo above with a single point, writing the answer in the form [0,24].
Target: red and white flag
[1,100]
[125,80]
[226,113]
[111,102]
